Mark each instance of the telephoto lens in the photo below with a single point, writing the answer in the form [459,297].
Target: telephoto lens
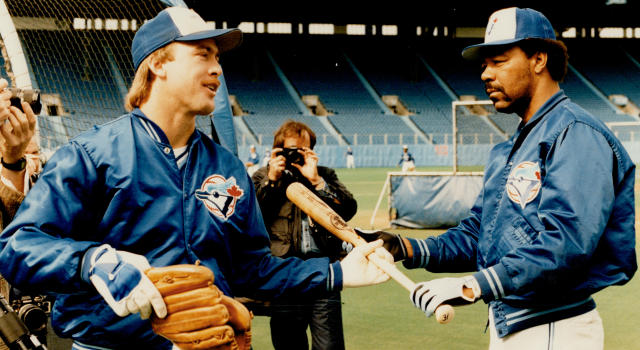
[14,332]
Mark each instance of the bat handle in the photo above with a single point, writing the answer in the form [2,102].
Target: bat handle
[444,313]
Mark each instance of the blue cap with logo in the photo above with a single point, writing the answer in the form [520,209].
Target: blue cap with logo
[178,24]
[510,25]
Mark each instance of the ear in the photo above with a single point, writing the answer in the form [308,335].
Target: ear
[540,62]
[156,66]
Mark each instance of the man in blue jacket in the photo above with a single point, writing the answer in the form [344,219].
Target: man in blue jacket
[554,222]
[148,189]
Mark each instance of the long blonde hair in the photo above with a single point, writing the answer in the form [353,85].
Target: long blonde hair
[143,80]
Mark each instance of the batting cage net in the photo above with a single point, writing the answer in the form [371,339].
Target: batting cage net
[77,54]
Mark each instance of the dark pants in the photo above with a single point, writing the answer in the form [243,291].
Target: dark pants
[290,319]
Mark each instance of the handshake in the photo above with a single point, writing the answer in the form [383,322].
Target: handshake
[394,244]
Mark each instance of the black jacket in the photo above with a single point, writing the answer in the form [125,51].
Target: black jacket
[284,220]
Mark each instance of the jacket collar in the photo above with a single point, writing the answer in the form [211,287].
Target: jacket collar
[154,131]
[546,107]
[524,129]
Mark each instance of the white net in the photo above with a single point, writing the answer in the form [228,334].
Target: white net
[77,53]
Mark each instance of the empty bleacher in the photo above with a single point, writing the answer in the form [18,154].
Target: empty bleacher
[463,78]
[265,101]
[321,69]
[397,70]
[426,77]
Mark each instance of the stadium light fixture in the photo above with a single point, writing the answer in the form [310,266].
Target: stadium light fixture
[611,32]
[79,23]
[279,28]
[321,28]
[247,27]
[111,24]
[356,29]
[390,30]
[569,33]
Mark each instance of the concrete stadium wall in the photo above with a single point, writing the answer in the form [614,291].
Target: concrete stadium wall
[425,155]
[389,155]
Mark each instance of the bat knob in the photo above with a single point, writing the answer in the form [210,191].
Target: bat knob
[444,313]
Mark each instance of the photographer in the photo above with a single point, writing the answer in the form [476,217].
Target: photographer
[292,233]
[17,145]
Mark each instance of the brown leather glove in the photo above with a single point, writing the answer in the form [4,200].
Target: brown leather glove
[199,316]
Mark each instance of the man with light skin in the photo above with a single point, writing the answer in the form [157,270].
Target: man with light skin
[293,233]
[17,129]
[554,222]
[149,189]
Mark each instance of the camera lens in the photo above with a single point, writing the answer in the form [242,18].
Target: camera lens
[33,317]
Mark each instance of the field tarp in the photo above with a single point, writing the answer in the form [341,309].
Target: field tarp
[432,200]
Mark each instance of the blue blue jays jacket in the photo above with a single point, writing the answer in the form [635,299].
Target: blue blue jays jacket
[553,224]
[116,184]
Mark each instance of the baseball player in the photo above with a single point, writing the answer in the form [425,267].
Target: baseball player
[148,189]
[406,160]
[554,222]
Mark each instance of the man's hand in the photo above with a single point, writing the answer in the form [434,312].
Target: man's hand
[358,271]
[5,100]
[427,296]
[395,244]
[120,279]
[310,167]
[277,163]
[17,128]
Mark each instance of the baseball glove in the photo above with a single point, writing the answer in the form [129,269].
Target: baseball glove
[199,316]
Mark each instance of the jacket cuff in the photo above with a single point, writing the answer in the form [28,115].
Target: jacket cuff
[85,264]
[490,281]
[334,277]
[422,253]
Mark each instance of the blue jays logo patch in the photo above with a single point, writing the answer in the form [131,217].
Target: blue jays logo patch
[523,184]
[220,195]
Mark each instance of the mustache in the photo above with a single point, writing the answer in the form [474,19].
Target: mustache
[488,86]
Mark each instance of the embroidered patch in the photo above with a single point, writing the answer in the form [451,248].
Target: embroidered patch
[523,184]
[220,195]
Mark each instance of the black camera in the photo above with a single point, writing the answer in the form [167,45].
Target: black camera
[30,96]
[33,311]
[14,332]
[292,156]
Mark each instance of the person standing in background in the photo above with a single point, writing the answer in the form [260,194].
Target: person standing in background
[294,234]
[406,160]
[351,164]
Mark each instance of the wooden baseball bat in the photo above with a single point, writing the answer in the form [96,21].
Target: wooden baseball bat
[324,215]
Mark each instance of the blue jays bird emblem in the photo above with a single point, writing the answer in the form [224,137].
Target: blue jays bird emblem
[219,195]
[523,184]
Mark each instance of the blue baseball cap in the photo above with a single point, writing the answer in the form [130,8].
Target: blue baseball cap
[510,25]
[178,24]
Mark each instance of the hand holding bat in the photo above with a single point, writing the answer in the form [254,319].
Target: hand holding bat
[322,214]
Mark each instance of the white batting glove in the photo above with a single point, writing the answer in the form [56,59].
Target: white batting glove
[358,271]
[427,296]
[120,279]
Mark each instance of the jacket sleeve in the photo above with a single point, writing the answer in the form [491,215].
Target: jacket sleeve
[43,246]
[577,197]
[453,251]
[258,274]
